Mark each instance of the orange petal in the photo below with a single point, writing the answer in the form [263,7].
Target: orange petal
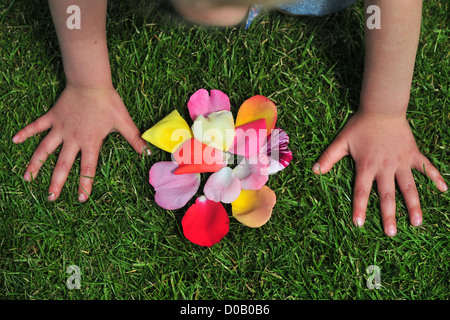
[254,207]
[255,108]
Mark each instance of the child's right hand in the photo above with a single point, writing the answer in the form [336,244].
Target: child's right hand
[79,120]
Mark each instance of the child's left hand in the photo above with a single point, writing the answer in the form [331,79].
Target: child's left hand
[384,150]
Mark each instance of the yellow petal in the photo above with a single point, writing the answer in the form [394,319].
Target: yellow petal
[254,207]
[255,108]
[217,130]
[169,133]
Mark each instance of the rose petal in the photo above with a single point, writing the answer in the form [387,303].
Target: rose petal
[204,103]
[216,131]
[194,156]
[253,172]
[249,138]
[257,107]
[222,186]
[172,191]
[277,150]
[169,133]
[206,222]
[253,208]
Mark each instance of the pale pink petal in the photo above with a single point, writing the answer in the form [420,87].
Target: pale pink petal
[206,222]
[172,191]
[277,150]
[253,172]
[249,138]
[203,103]
[222,186]
[216,130]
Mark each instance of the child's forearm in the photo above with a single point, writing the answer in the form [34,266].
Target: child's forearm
[390,57]
[84,51]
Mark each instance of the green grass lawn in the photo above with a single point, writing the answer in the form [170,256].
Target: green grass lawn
[127,247]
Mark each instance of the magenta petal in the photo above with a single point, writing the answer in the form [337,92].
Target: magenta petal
[203,103]
[172,191]
[249,138]
[277,150]
[223,186]
[253,172]
[206,222]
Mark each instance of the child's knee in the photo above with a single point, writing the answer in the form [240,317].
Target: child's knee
[201,12]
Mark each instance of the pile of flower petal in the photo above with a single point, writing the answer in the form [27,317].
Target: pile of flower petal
[251,143]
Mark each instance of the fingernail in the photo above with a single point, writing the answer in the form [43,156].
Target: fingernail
[148,151]
[27,176]
[359,222]
[444,187]
[51,197]
[316,167]
[15,139]
[391,231]
[417,220]
[81,197]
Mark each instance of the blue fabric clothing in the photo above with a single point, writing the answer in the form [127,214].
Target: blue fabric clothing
[305,8]
[315,7]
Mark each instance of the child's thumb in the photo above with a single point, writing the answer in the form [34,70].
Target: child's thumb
[132,134]
[335,152]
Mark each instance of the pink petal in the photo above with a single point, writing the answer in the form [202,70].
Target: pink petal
[203,103]
[249,138]
[277,150]
[172,191]
[222,186]
[253,172]
[206,222]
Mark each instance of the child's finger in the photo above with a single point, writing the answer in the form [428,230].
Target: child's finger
[89,159]
[386,191]
[41,124]
[62,168]
[132,134]
[335,152]
[424,165]
[361,192]
[407,185]
[40,155]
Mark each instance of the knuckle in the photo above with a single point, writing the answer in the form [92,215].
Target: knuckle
[88,169]
[366,164]
[388,196]
[63,165]
[43,149]
[361,192]
[410,188]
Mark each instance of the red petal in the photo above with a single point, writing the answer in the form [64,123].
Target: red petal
[206,222]
[196,157]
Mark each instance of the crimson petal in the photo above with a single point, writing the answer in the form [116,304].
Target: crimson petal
[206,222]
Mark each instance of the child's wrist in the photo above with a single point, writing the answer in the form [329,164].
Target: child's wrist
[89,85]
[383,107]
[98,88]
[381,114]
